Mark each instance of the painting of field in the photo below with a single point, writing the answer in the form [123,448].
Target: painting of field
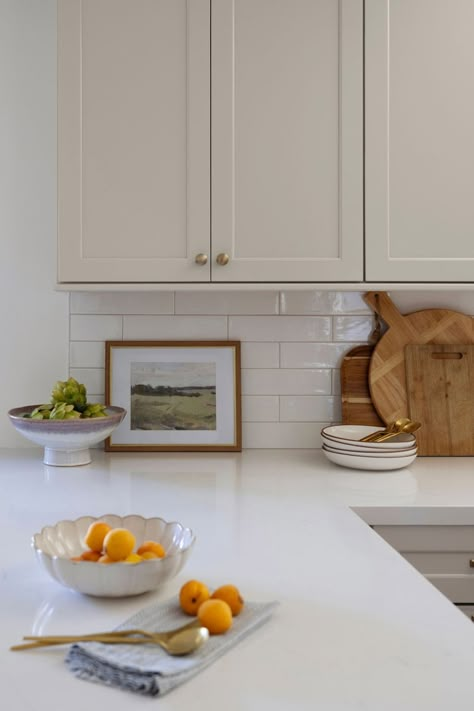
[173,396]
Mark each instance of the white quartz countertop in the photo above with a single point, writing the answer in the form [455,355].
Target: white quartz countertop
[357,627]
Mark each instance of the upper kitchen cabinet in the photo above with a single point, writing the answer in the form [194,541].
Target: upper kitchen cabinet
[135,131]
[419,61]
[287,140]
[134,153]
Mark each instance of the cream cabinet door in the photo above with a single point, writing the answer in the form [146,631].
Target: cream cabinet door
[134,153]
[287,147]
[419,140]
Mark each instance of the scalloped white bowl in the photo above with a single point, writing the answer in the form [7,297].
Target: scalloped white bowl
[66,442]
[55,545]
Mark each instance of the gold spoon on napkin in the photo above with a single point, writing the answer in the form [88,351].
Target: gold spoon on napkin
[178,642]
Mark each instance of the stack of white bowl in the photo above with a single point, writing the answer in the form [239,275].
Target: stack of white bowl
[342,445]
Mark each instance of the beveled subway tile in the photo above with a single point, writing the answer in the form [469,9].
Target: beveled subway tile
[279,328]
[312,355]
[307,408]
[286,382]
[260,408]
[184,328]
[336,381]
[86,354]
[282,435]
[259,355]
[322,302]
[227,302]
[124,302]
[353,328]
[96,328]
[92,378]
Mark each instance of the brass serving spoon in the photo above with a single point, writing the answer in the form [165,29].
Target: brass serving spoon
[180,641]
[393,428]
[410,427]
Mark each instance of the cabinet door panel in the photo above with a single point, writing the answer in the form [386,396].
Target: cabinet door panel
[425,538]
[419,140]
[441,563]
[133,121]
[287,140]
[457,588]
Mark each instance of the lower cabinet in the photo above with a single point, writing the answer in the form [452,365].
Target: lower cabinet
[468,610]
[443,554]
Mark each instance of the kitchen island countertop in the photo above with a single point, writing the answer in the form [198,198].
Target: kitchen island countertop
[357,627]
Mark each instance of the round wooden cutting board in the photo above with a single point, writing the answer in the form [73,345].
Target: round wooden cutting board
[387,376]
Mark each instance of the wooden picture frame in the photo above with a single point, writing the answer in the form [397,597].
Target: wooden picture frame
[179,395]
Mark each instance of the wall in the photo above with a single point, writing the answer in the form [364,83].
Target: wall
[292,346]
[33,316]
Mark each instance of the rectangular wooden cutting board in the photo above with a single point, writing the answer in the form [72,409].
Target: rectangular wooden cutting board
[440,390]
[357,407]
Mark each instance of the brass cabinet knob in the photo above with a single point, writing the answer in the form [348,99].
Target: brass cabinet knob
[222,259]
[471,563]
[201,259]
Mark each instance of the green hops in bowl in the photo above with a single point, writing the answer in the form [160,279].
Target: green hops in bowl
[68,402]
[70,392]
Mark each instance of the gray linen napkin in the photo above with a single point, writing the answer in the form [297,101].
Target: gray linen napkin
[148,669]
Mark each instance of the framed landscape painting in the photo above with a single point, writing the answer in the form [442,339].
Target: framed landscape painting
[179,395]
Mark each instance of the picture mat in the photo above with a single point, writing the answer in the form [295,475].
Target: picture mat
[120,393]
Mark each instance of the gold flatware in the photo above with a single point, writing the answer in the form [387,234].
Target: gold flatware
[409,428]
[394,427]
[180,641]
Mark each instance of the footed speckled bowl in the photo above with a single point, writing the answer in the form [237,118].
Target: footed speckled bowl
[55,545]
[66,442]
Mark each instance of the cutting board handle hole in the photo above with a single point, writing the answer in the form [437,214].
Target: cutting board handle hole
[448,356]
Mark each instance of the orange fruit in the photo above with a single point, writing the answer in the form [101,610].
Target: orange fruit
[133,558]
[119,543]
[192,595]
[105,559]
[92,556]
[153,547]
[216,615]
[95,535]
[149,555]
[231,595]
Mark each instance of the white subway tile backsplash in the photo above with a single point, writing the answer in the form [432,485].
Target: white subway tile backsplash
[187,328]
[93,378]
[259,355]
[86,354]
[260,408]
[230,302]
[322,302]
[353,328]
[292,344]
[282,435]
[286,382]
[280,328]
[96,328]
[312,355]
[147,302]
[307,408]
